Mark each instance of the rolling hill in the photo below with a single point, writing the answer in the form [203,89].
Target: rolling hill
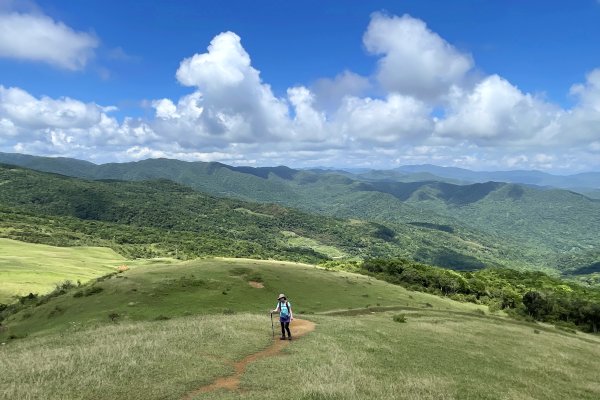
[163,218]
[521,225]
[169,331]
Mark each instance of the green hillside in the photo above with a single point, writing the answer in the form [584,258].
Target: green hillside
[35,268]
[158,289]
[164,331]
[551,220]
[556,224]
[162,218]
[506,223]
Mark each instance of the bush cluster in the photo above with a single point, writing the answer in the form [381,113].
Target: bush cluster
[533,295]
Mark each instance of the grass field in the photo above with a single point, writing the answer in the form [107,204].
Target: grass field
[35,268]
[434,355]
[444,350]
[214,286]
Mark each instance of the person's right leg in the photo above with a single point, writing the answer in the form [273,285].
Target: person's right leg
[283,330]
[287,328]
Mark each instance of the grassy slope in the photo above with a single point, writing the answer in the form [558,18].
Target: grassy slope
[26,267]
[442,352]
[212,286]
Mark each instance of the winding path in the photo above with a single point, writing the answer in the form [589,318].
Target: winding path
[300,327]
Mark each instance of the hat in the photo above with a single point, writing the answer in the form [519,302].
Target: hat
[280,296]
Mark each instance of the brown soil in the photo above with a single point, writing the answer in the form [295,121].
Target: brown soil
[299,327]
[256,285]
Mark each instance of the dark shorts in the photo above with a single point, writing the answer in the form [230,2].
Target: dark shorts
[284,319]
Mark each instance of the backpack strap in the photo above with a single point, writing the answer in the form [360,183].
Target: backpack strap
[287,305]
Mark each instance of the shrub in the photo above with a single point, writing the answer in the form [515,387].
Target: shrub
[162,318]
[399,318]
[105,277]
[536,331]
[93,290]
[79,293]
[42,300]
[57,310]
[114,317]
[458,297]
[228,311]
[30,296]
[66,285]
[494,305]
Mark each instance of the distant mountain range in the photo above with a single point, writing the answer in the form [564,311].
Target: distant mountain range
[530,225]
[587,181]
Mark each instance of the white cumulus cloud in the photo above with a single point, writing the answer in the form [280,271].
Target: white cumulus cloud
[231,101]
[330,92]
[495,111]
[415,61]
[64,126]
[394,120]
[37,37]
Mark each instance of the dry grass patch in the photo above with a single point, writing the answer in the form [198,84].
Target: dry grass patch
[150,360]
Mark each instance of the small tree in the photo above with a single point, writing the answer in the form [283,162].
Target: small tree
[535,303]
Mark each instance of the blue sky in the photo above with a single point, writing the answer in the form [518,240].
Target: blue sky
[331,83]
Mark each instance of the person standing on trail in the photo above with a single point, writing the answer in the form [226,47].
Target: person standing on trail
[284,307]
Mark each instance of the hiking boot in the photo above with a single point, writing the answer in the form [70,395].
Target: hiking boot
[282,338]
[289,338]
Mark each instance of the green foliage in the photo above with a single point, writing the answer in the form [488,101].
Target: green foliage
[90,291]
[114,317]
[399,318]
[532,294]
[161,218]
[402,230]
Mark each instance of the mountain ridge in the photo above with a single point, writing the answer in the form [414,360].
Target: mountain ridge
[529,220]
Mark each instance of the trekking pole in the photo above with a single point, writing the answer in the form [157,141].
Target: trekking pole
[272,326]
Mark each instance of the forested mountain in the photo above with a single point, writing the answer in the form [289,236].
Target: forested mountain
[587,181]
[493,222]
[161,217]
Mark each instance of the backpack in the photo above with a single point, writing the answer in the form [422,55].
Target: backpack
[283,313]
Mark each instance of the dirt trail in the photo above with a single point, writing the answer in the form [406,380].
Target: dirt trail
[299,327]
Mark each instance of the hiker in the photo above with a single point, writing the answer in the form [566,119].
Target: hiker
[285,315]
